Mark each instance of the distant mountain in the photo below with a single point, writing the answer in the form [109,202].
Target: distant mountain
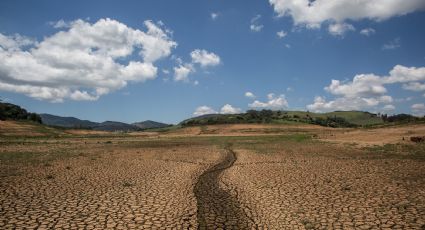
[67,122]
[115,126]
[150,124]
[72,122]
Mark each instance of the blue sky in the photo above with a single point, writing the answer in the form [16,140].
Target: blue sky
[195,57]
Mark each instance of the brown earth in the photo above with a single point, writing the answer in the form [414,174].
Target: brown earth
[292,190]
[377,136]
[102,185]
[228,177]
[246,130]
[12,128]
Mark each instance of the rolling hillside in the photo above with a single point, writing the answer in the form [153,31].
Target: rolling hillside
[115,126]
[10,111]
[148,124]
[72,122]
[66,122]
[332,119]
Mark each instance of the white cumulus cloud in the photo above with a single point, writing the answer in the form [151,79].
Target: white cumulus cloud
[81,62]
[414,86]
[368,90]
[198,56]
[249,95]
[362,85]
[182,72]
[339,29]
[273,102]
[229,109]
[203,110]
[281,34]
[367,31]
[343,103]
[313,13]
[15,42]
[204,58]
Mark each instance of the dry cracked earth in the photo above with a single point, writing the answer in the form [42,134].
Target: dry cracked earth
[201,183]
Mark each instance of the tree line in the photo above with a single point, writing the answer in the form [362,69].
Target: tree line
[10,111]
[267,116]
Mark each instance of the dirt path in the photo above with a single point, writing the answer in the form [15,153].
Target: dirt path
[217,208]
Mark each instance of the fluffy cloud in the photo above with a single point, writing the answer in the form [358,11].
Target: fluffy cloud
[204,58]
[81,62]
[15,42]
[368,90]
[229,109]
[358,103]
[198,56]
[203,110]
[281,34]
[226,109]
[418,109]
[414,86]
[273,102]
[339,29]
[182,72]
[367,31]
[363,85]
[255,24]
[249,95]
[403,74]
[313,13]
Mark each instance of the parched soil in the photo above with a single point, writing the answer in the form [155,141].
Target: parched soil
[11,128]
[282,190]
[105,187]
[217,208]
[284,181]
[377,136]
[246,129]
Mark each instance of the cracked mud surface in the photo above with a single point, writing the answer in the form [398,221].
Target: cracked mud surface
[281,189]
[217,208]
[260,183]
[108,187]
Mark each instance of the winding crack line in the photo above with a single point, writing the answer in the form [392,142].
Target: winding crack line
[216,202]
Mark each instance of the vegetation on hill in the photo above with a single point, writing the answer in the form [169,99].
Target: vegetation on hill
[72,122]
[148,124]
[332,119]
[66,122]
[10,111]
[402,118]
[113,126]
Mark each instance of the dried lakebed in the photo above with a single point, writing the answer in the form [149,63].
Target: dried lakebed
[196,184]
[217,207]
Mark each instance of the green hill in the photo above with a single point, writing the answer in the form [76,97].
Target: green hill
[148,124]
[352,117]
[10,111]
[332,119]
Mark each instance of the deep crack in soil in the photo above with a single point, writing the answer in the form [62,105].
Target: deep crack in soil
[216,206]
